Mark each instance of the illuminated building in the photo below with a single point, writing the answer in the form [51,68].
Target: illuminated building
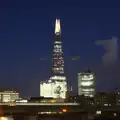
[57,58]
[8,95]
[86,84]
[57,86]
[46,89]
[54,89]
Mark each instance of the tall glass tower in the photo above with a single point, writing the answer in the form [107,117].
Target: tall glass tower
[58,73]
[58,57]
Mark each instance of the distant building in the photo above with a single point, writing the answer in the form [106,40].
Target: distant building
[69,91]
[86,84]
[117,97]
[8,95]
[105,99]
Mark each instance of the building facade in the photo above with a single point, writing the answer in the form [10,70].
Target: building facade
[57,85]
[9,95]
[46,89]
[54,89]
[86,84]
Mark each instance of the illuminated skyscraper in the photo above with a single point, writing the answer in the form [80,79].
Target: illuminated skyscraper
[57,58]
[57,83]
[86,84]
[58,73]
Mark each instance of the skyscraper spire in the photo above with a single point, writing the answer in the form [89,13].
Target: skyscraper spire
[57,27]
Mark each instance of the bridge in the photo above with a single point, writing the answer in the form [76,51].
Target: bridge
[20,110]
[39,104]
[66,110]
[52,107]
[46,109]
[38,108]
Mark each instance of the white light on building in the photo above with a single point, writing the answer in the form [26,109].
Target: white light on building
[46,89]
[54,89]
[59,89]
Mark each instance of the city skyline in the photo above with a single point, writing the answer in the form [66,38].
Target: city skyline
[26,43]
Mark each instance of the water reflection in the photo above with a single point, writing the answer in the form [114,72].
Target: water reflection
[30,118]
[6,118]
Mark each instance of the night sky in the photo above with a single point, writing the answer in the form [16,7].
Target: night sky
[27,34]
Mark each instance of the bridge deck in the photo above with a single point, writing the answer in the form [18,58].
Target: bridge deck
[40,104]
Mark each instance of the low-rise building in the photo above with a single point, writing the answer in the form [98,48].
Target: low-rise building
[105,99]
[8,95]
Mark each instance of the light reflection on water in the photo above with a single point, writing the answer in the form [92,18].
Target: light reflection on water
[10,118]
[6,118]
[31,118]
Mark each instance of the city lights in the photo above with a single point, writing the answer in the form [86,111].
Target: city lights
[64,110]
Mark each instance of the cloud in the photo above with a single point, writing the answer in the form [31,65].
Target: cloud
[111,47]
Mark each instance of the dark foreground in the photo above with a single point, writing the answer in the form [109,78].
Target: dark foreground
[66,116]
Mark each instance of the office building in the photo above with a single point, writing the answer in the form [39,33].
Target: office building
[8,95]
[86,84]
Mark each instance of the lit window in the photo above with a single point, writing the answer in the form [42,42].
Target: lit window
[86,83]
[57,46]
[59,42]
[98,112]
[87,89]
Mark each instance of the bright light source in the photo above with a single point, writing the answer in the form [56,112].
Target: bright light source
[87,83]
[98,112]
[64,110]
[53,101]
[12,105]
[115,114]
[57,26]
[3,118]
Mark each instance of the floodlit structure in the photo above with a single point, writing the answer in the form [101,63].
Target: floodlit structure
[86,84]
[53,88]
[56,87]
[46,89]
[8,95]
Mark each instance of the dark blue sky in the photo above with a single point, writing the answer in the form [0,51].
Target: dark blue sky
[27,33]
